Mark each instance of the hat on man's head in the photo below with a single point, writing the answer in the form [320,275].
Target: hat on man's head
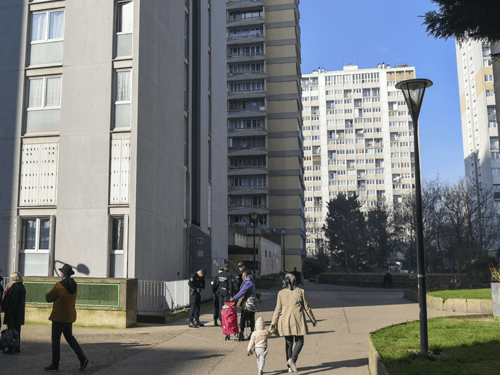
[67,270]
[225,266]
[203,273]
[241,264]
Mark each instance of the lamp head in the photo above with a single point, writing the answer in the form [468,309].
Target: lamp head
[413,91]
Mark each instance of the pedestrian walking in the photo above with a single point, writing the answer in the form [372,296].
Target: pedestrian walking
[258,343]
[63,315]
[224,283]
[196,285]
[246,292]
[289,319]
[14,304]
[388,280]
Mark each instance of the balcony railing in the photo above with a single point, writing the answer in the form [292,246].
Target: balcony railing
[234,37]
[241,1]
[360,135]
[246,54]
[245,18]
[249,187]
[249,90]
[248,109]
[248,72]
[247,206]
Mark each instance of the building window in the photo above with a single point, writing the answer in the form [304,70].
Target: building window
[124,28]
[118,243]
[36,242]
[44,104]
[123,98]
[47,32]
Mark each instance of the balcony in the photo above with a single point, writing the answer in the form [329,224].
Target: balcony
[360,135]
[244,4]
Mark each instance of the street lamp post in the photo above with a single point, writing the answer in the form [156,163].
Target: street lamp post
[413,91]
[254,221]
[283,231]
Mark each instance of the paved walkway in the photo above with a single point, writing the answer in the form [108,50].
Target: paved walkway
[337,345]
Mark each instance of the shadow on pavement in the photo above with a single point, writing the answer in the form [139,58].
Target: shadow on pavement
[327,366]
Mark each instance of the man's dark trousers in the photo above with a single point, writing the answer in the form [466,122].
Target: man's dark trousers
[195,304]
[216,308]
[66,329]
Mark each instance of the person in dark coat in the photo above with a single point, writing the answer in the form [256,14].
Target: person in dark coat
[216,292]
[13,304]
[63,316]
[196,285]
[239,279]
[225,284]
[388,280]
[297,275]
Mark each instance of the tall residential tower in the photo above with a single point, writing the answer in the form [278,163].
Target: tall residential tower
[479,82]
[264,120]
[358,139]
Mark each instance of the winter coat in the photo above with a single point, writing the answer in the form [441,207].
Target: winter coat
[64,297]
[14,303]
[289,314]
[247,289]
[259,336]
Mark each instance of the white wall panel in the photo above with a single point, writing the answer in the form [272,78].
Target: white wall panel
[39,164]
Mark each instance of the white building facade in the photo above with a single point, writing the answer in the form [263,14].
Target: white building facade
[358,139]
[478,85]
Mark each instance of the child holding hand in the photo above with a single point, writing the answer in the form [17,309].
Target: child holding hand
[258,342]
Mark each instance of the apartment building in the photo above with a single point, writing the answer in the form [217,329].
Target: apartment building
[478,81]
[265,174]
[358,139]
[111,158]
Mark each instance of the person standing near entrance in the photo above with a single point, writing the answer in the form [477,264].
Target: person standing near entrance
[297,275]
[196,285]
[63,316]
[290,319]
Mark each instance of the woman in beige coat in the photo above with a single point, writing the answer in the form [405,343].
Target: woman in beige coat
[289,319]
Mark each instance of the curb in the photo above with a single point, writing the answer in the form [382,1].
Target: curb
[171,317]
[461,305]
[375,364]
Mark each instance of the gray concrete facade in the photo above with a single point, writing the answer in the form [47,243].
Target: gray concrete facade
[139,175]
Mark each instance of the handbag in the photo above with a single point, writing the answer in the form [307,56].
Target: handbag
[10,338]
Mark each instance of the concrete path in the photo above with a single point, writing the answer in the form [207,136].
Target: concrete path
[337,345]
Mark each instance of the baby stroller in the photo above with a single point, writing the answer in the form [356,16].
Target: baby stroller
[229,321]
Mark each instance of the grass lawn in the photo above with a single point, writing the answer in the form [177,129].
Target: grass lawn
[462,293]
[469,345]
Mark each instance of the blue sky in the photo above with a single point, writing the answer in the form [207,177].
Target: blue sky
[369,32]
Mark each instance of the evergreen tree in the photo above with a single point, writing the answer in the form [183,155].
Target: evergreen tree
[346,230]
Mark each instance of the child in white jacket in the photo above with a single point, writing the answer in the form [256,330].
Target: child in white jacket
[258,341]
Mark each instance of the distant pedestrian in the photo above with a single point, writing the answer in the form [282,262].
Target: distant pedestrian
[258,343]
[247,315]
[64,294]
[297,275]
[290,321]
[14,304]
[196,285]
[388,280]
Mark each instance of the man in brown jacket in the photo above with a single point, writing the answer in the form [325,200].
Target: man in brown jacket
[63,316]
